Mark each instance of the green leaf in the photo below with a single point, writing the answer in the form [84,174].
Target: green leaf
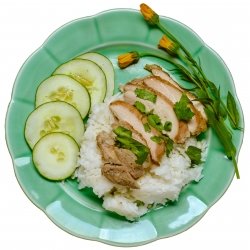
[168,126]
[139,203]
[224,136]
[157,139]
[223,111]
[199,93]
[194,154]
[140,106]
[138,149]
[217,101]
[155,121]
[147,127]
[182,72]
[182,111]
[234,116]
[169,145]
[146,95]
[222,132]
[121,131]
[212,87]
[204,101]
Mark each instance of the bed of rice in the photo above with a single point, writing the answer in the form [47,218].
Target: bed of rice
[161,184]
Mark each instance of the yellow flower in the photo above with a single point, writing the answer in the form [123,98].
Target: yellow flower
[149,15]
[127,59]
[168,45]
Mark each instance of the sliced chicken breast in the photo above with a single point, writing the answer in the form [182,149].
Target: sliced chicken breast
[196,124]
[157,71]
[163,108]
[125,112]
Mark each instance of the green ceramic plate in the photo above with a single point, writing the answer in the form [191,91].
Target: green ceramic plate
[79,212]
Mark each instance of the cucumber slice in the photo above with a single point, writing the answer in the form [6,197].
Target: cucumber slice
[53,117]
[89,74]
[64,88]
[55,156]
[105,64]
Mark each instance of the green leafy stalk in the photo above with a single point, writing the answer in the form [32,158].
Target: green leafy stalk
[224,136]
[204,90]
[232,111]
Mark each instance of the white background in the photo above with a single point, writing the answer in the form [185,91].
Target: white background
[223,25]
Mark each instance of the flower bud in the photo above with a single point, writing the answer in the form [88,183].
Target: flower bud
[149,15]
[127,59]
[168,45]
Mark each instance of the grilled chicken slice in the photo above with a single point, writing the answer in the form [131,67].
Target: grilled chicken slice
[157,71]
[119,174]
[197,124]
[128,159]
[198,105]
[163,108]
[125,112]
[106,144]
[119,164]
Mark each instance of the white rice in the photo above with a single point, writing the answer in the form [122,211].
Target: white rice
[161,184]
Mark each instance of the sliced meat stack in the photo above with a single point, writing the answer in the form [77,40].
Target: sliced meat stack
[156,95]
[125,112]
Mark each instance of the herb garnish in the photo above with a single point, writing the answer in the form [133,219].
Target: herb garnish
[156,139]
[194,154]
[140,106]
[124,132]
[155,121]
[168,126]
[169,145]
[146,95]
[181,109]
[147,127]
[124,140]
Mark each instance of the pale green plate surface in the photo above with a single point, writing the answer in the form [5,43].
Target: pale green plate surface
[80,212]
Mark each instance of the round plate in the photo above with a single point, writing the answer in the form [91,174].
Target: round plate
[79,212]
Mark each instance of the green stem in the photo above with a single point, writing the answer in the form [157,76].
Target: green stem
[143,54]
[236,168]
[228,113]
[190,65]
[164,57]
[174,39]
[158,55]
